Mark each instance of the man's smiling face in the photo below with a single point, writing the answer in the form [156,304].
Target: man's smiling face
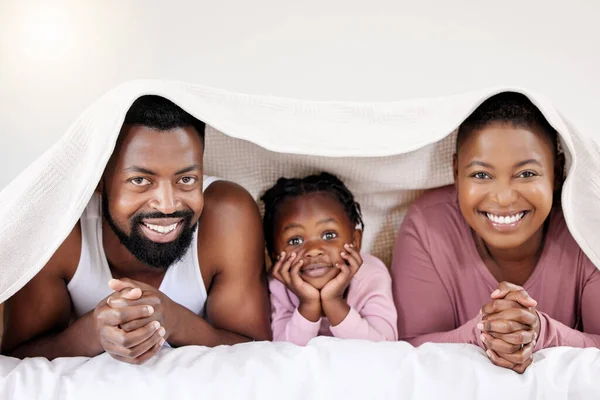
[152,192]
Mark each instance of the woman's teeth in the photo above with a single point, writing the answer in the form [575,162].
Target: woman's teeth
[161,229]
[505,220]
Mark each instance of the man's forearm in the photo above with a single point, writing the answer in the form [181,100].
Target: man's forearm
[78,339]
[191,329]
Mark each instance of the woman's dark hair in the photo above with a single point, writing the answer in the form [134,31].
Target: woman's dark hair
[516,109]
[162,114]
[289,188]
[509,107]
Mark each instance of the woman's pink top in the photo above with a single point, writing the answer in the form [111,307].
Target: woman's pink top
[440,282]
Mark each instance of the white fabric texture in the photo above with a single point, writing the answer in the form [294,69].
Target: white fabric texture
[386,153]
[327,368]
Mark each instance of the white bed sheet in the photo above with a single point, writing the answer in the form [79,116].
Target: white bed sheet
[327,368]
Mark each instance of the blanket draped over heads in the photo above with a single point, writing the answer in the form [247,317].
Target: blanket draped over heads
[386,153]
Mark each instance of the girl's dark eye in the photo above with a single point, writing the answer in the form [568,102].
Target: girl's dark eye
[480,175]
[295,241]
[329,235]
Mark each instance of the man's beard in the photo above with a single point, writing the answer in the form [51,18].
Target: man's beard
[153,254]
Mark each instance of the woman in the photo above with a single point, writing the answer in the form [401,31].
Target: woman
[490,260]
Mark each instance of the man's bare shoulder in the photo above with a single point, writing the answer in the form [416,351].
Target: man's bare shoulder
[227,205]
[230,222]
[223,196]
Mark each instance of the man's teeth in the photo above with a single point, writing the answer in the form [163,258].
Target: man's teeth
[161,229]
[505,220]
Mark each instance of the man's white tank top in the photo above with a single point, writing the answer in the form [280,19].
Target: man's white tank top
[182,282]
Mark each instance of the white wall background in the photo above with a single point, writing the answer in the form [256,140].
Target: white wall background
[56,57]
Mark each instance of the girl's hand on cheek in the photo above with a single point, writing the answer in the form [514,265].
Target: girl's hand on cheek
[335,288]
[287,271]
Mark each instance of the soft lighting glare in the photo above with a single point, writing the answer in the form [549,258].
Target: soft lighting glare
[44,32]
[45,29]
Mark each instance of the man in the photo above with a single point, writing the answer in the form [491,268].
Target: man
[188,260]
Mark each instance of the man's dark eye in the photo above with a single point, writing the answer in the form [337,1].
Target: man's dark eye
[139,181]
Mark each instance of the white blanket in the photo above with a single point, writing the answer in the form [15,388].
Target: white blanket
[387,153]
[327,368]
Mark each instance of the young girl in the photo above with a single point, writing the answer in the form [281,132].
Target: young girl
[321,284]
[490,260]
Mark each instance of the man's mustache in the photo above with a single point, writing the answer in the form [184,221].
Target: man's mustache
[157,215]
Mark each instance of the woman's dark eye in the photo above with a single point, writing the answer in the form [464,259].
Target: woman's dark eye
[527,174]
[480,175]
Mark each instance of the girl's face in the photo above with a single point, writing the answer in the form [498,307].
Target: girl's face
[505,178]
[315,226]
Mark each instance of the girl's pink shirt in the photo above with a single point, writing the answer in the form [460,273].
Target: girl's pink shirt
[372,313]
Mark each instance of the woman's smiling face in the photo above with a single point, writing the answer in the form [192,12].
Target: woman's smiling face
[505,178]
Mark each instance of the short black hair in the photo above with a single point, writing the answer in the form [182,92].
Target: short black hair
[508,107]
[162,114]
[319,183]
